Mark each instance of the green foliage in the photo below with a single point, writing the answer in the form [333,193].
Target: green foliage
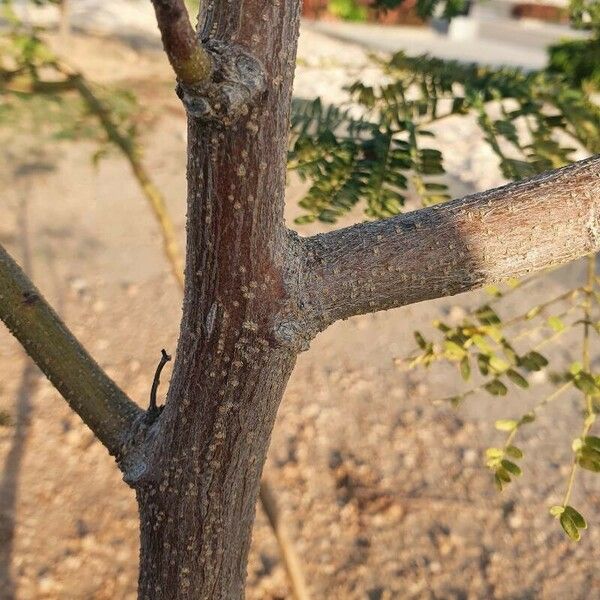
[349,10]
[578,61]
[427,8]
[377,150]
[570,520]
[37,93]
[585,14]
[489,341]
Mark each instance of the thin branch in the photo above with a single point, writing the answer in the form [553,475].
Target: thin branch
[290,559]
[164,359]
[89,391]
[454,247]
[128,147]
[190,61]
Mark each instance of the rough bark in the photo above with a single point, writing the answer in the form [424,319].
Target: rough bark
[197,477]
[189,59]
[454,247]
[107,411]
[255,295]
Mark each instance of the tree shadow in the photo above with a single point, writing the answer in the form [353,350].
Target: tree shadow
[9,483]
[30,377]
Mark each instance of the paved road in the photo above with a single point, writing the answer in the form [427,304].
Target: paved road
[500,41]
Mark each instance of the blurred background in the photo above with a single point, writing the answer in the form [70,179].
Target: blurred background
[384,490]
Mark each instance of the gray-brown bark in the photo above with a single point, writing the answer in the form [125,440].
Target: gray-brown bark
[255,295]
[455,247]
[197,491]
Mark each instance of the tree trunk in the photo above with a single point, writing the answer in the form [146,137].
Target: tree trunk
[197,515]
[198,486]
[255,294]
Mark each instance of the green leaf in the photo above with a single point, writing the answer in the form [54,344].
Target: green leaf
[510,353]
[496,388]
[503,474]
[493,457]
[557,510]
[589,452]
[514,452]
[465,368]
[589,464]
[497,364]
[506,424]
[494,453]
[498,481]
[304,219]
[487,316]
[575,368]
[441,326]
[556,323]
[511,467]
[482,344]
[569,527]
[576,517]
[517,378]
[493,290]
[494,332]
[527,418]
[533,361]
[592,441]
[420,340]
[483,364]
[453,351]
[586,383]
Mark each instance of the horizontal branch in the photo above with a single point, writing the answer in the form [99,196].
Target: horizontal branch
[89,391]
[457,246]
[190,61]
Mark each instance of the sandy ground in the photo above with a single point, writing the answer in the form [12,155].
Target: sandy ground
[385,492]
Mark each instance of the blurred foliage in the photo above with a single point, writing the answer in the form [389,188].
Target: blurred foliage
[446,9]
[578,61]
[378,151]
[585,14]
[349,10]
[40,93]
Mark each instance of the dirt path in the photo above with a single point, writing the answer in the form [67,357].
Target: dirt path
[385,492]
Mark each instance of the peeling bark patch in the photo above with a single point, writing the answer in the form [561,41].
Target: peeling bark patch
[593,227]
[238,79]
[210,319]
